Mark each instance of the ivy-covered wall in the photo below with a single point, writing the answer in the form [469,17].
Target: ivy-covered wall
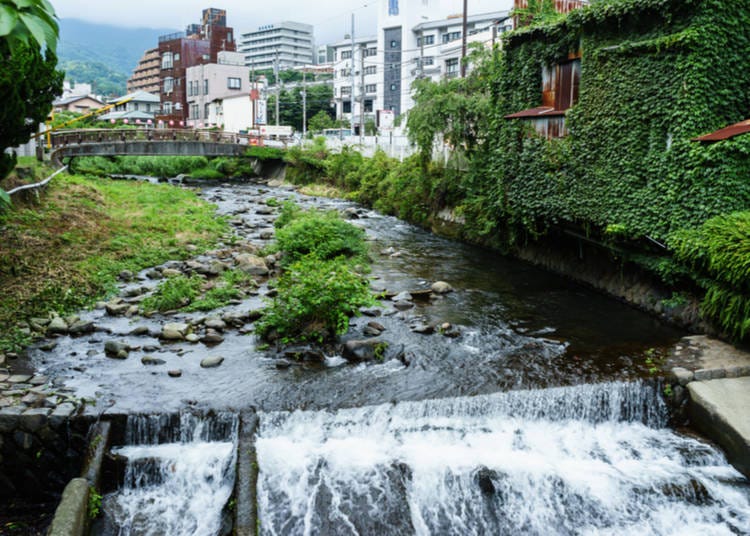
[655,73]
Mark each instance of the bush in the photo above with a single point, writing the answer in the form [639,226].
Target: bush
[314,302]
[173,293]
[322,235]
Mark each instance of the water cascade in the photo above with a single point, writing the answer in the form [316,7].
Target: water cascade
[179,475]
[590,459]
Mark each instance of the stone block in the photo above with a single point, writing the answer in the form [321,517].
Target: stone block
[9,418]
[25,441]
[682,376]
[70,516]
[33,419]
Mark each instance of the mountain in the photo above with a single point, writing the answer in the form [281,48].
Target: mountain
[103,55]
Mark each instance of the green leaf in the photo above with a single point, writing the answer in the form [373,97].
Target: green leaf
[8,19]
[5,200]
[40,31]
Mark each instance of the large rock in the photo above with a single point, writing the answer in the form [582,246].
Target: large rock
[116,307]
[251,264]
[214,322]
[366,350]
[81,327]
[212,337]
[174,331]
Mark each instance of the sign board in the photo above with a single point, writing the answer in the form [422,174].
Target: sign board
[261,110]
[386,119]
[273,130]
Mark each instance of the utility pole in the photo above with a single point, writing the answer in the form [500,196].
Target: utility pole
[362,94]
[351,72]
[278,94]
[421,51]
[463,42]
[304,101]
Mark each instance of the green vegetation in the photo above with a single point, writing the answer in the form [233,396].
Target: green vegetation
[103,79]
[654,75]
[323,284]
[197,167]
[66,252]
[95,503]
[319,99]
[195,294]
[28,23]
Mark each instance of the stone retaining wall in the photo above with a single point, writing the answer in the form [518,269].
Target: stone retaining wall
[41,443]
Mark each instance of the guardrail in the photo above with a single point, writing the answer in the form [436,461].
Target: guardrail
[36,186]
[81,136]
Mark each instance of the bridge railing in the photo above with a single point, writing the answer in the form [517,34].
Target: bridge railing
[77,137]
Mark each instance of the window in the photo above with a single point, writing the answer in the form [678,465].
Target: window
[167,108]
[343,73]
[368,105]
[371,69]
[428,60]
[371,88]
[371,52]
[166,60]
[176,57]
[168,84]
[190,88]
[394,87]
[395,44]
[346,90]
[427,39]
[347,107]
[234,83]
[206,111]
[205,86]
[451,36]
[346,54]
[451,67]
[560,84]
[393,7]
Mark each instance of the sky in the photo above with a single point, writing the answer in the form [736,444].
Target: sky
[331,18]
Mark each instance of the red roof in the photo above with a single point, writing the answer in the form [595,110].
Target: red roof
[540,111]
[728,132]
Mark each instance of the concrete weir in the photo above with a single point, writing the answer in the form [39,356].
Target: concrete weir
[246,513]
[721,410]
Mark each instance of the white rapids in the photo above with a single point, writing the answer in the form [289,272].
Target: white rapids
[585,460]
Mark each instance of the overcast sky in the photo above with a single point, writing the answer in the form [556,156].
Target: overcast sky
[331,18]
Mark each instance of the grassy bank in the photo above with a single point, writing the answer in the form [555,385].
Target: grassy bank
[65,252]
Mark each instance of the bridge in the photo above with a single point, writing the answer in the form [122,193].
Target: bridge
[147,142]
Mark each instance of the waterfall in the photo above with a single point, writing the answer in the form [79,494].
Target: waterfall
[593,459]
[179,475]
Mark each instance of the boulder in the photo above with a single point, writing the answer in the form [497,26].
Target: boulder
[402,296]
[251,264]
[371,311]
[423,329]
[126,275]
[174,331]
[441,287]
[152,361]
[403,305]
[212,337]
[170,272]
[283,364]
[212,362]
[364,350]
[116,307]
[304,353]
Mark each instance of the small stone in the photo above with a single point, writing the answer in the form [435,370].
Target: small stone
[441,287]
[48,346]
[365,350]
[175,373]
[371,311]
[126,275]
[19,378]
[171,272]
[152,361]
[140,330]
[39,380]
[251,264]
[423,329]
[34,400]
[212,362]
[682,375]
[174,331]
[192,338]
[283,364]
[267,234]
[216,323]
[153,274]
[117,308]
[403,305]
[116,349]
[57,325]
[402,296]
[80,327]
[212,337]
[369,331]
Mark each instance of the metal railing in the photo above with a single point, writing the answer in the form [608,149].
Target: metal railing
[64,138]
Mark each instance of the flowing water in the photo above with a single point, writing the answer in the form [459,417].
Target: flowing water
[178,479]
[594,459]
[539,418]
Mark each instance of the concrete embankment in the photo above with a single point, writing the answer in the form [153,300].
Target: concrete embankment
[712,389]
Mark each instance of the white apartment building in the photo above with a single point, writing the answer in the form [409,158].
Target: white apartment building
[414,39]
[357,79]
[425,39]
[214,82]
[291,42]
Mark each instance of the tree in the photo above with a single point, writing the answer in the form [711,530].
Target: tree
[29,83]
[537,12]
[28,22]
[320,121]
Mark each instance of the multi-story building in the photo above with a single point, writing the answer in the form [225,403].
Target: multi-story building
[357,79]
[146,74]
[420,39]
[211,82]
[199,45]
[291,44]
[324,55]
